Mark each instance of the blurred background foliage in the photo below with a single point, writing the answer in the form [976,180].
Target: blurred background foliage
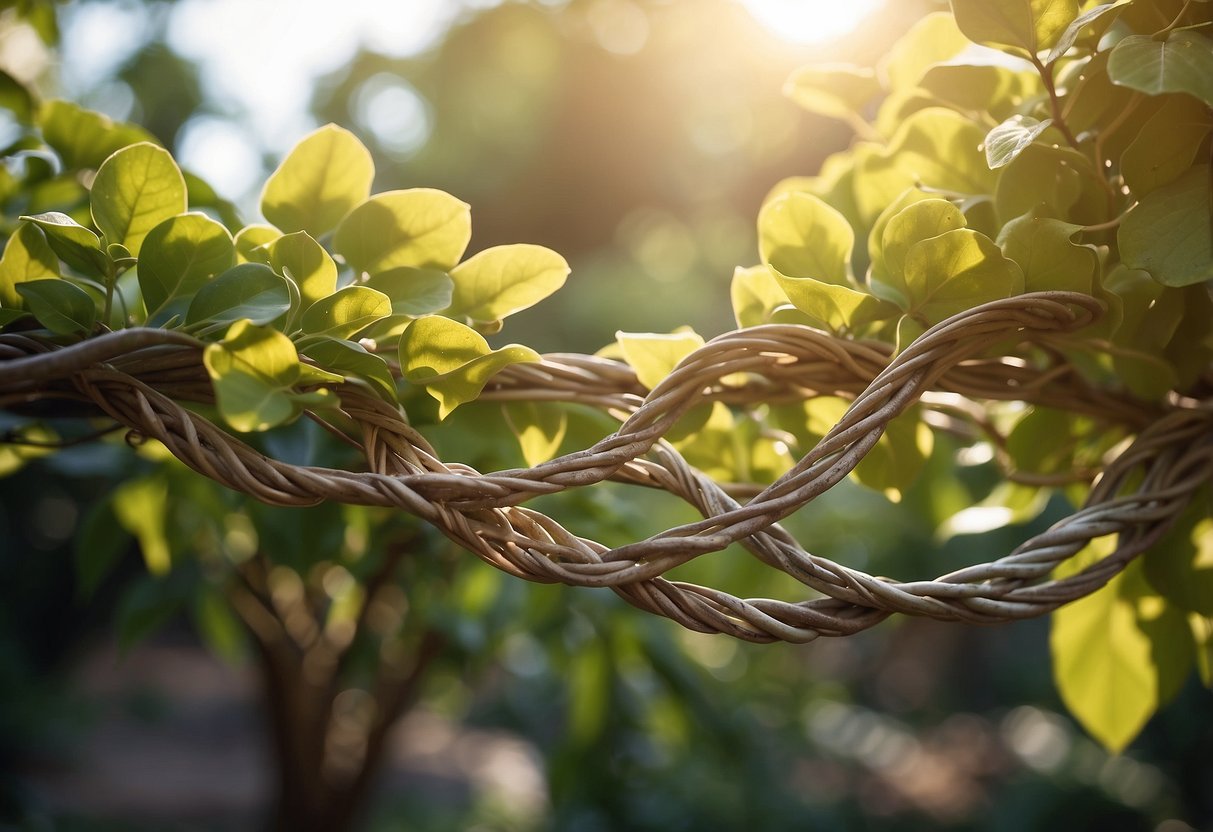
[637,138]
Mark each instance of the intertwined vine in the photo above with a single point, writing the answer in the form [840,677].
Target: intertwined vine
[140,377]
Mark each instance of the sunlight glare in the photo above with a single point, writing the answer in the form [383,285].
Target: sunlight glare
[810,21]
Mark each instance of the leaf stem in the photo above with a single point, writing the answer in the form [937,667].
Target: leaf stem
[1174,23]
[1059,119]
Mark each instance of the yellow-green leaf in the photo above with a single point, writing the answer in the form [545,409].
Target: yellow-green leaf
[1117,652]
[799,235]
[415,292]
[932,40]
[83,138]
[321,180]
[304,261]
[140,506]
[346,311]
[1049,260]
[27,256]
[955,271]
[654,355]
[755,295]
[422,227]
[934,148]
[1015,26]
[834,90]
[502,280]
[832,306]
[539,426]
[453,361]
[253,369]
[180,255]
[135,190]
[918,221]
[250,241]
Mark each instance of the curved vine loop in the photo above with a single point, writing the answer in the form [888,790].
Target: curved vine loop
[140,377]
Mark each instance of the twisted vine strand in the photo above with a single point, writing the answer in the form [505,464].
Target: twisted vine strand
[137,376]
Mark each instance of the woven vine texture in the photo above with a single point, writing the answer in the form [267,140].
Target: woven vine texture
[141,377]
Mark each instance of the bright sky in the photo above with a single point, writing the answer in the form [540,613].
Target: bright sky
[264,56]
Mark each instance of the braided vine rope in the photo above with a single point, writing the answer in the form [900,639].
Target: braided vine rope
[139,377]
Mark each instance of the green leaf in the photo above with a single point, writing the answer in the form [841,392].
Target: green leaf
[1202,632]
[147,605]
[1095,21]
[654,355]
[799,235]
[140,506]
[979,87]
[1008,140]
[755,295]
[200,194]
[1015,26]
[1117,652]
[1166,144]
[350,359]
[16,98]
[422,227]
[415,292]
[1057,177]
[1049,260]
[98,547]
[320,181]
[955,271]
[933,149]
[27,256]
[250,290]
[894,463]
[75,245]
[1168,233]
[1180,566]
[1181,63]
[179,256]
[453,361]
[346,311]
[932,40]
[877,271]
[304,261]
[833,90]
[220,630]
[502,280]
[835,307]
[918,221]
[135,190]
[253,369]
[539,426]
[1150,315]
[1043,441]
[59,305]
[83,138]
[253,237]
[1009,503]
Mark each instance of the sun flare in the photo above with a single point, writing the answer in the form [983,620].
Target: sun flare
[810,21]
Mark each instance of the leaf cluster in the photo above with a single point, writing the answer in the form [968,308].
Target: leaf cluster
[340,286]
[1014,146]
[1004,147]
